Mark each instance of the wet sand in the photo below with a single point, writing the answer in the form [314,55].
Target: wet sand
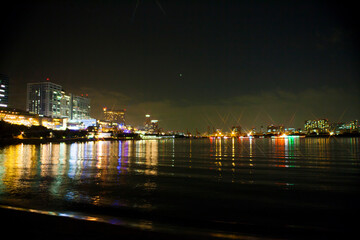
[42,226]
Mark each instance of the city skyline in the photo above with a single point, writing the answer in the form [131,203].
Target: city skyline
[215,64]
[180,119]
[73,107]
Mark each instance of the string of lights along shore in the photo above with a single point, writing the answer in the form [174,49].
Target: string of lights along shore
[49,105]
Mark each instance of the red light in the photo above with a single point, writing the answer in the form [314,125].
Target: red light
[82,95]
[47,79]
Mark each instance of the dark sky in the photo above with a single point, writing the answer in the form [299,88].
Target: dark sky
[190,64]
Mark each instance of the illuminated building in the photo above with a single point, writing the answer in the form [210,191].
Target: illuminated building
[290,131]
[277,130]
[353,125]
[115,116]
[66,105]
[341,128]
[235,131]
[154,126]
[317,126]
[44,98]
[151,125]
[50,100]
[4,90]
[80,124]
[80,108]
[19,117]
[147,124]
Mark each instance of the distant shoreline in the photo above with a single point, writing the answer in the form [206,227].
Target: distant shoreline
[38,141]
[14,141]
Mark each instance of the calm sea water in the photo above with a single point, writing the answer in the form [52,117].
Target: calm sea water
[229,188]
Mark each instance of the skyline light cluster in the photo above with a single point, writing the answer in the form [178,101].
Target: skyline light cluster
[47,99]
[191,64]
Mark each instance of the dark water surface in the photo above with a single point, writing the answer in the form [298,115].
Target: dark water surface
[229,188]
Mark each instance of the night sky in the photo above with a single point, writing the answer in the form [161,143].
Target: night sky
[190,64]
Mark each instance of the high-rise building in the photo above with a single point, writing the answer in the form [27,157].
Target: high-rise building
[80,107]
[44,98]
[115,116]
[66,105]
[147,124]
[317,126]
[151,125]
[4,90]
[49,99]
[154,126]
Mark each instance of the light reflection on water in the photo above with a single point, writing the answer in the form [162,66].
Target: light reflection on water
[176,177]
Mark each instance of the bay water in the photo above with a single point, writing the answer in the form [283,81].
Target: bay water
[227,188]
